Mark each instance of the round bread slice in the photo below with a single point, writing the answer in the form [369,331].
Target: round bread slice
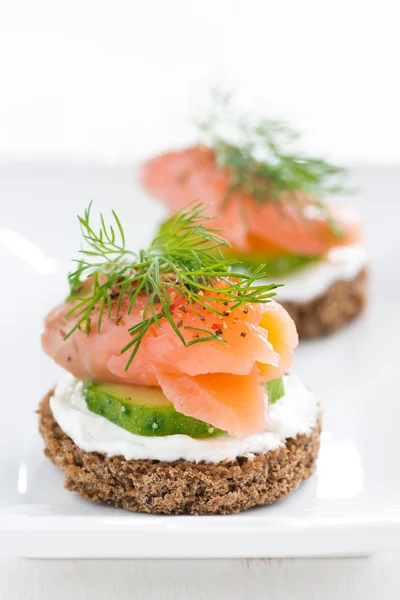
[342,302]
[180,487]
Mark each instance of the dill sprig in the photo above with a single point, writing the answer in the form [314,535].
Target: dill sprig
[184,261]
[261,163]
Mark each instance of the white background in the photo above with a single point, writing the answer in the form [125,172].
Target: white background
[118,79]
[97,79]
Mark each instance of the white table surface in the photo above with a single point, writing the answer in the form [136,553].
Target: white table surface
[370,578]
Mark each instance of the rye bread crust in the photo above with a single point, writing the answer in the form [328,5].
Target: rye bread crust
[341,303]
[179,487]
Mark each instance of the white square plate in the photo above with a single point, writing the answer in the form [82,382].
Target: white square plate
[350,506]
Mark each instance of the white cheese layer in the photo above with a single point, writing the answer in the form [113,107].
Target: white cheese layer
[295,413]
[341,264]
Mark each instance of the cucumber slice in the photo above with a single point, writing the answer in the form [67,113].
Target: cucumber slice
[279,265]
[143,411]
[275,389]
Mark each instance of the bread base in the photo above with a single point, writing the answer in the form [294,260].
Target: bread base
[179,487]
[341,303]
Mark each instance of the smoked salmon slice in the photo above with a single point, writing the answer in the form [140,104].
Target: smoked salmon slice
[235,403]
[296,224]
[215,381]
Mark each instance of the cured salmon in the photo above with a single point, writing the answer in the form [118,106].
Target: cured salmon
[219,382]
[296,224]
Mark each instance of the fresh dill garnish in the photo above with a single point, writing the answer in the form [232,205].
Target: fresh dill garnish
[261,164]
[184,262]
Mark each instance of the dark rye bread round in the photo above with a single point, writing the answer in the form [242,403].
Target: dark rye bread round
[179,487]
[340,304]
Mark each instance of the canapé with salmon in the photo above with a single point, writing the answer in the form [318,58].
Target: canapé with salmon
[178,397]
[269,201]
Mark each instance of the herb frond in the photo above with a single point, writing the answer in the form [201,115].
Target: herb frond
[262,161]
[183,263]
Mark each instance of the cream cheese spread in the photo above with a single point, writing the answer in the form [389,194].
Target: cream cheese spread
[295,413]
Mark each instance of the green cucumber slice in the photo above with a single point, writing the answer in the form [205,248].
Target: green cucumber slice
[143,411]
[280,265]
[146,411]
